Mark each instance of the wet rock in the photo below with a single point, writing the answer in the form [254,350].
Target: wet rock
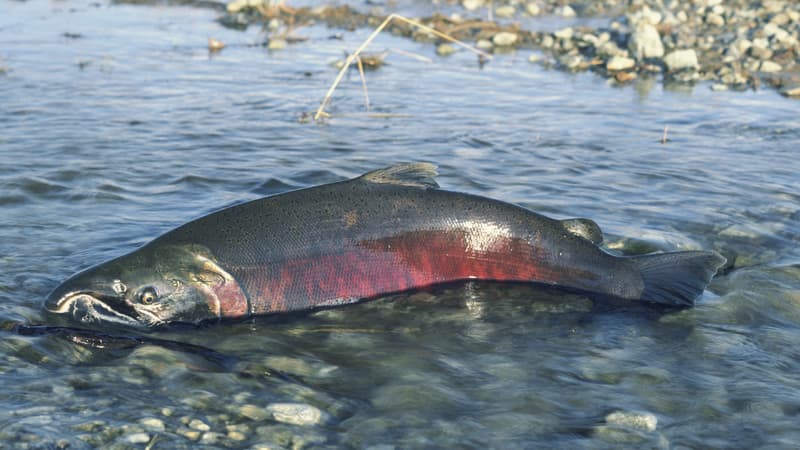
[640,420]
[618,63]
[504,39]
[484,44]
[295,413]
[645,42]
[718,87]
[791,91]
[680,60]
[445,49]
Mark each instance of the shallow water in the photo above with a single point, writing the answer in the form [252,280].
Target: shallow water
[117,125]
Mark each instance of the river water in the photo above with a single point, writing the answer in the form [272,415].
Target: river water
[116,124]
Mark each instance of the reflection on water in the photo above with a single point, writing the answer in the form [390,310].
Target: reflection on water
[129,127]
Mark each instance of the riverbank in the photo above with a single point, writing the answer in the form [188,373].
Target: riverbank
[735,44]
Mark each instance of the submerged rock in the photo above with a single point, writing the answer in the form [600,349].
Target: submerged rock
[295,413]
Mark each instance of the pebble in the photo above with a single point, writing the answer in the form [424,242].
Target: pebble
[719,87]
[253,412]
[276,44]
[645,42]
[639,420]
[791,91]
[565,11]
[769,66]
[617,63]
[715,20]
[505,11]
[484,44]
[565,33]
[472,5]
[197,424]
[137,438]
[151,423]
[504,39]
[533,9]
[192,435]
[210,438]
[681,59]
[295,413]
[445,49]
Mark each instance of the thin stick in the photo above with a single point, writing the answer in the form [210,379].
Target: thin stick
[411,55]
[363,81]
[369,40]
[664,138]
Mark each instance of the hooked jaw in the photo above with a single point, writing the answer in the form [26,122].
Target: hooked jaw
[93,306]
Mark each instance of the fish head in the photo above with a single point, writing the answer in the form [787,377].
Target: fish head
[151,287]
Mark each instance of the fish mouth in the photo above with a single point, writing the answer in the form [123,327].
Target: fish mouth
[94,307]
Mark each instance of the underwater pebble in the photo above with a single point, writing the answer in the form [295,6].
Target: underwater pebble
[295,413]
[236,436]
[504,38]
[137,438]
[253,412]
[152,423]
[188,434]
[210,437]
[197,424]
[639,420]
[533,9]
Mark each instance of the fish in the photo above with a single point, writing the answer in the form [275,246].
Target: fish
[390,230]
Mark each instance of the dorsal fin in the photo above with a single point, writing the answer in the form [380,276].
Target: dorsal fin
[584,228]
[409,174]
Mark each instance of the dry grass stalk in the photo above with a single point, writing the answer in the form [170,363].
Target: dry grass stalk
[363,82]
[355,55]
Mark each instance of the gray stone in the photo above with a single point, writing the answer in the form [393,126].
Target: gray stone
[445,49]
[791,91]
[645,42]
[681,59]
[715,20]
[137,438]
[472,5]
[565,33]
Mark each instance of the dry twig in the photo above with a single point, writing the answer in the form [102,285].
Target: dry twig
[355,55]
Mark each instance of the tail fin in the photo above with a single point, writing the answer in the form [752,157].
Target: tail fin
[676,278]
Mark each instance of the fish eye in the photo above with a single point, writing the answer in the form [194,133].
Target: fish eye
[148,295]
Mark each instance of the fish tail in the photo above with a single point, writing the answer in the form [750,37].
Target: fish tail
[676,278]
